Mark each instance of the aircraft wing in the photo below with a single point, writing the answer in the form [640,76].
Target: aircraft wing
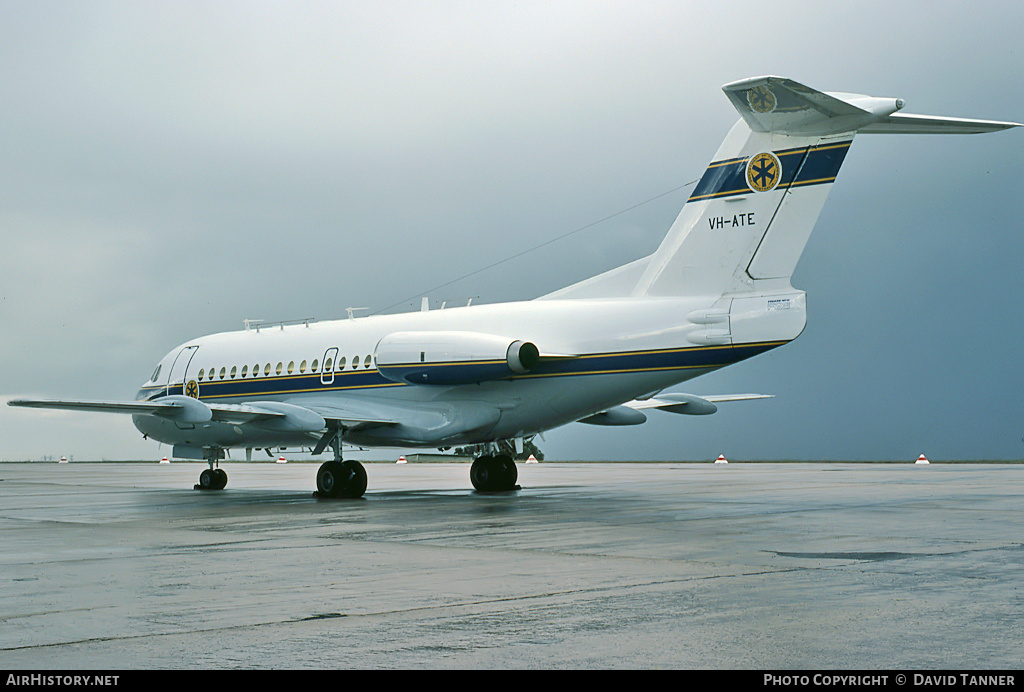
[171,406]
[631,412]
[354,414]
[185,409]
[690,404]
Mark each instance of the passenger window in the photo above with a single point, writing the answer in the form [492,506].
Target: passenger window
[223,373]
[327,365]
[201,373]
[256,370]
[302,366]
[355,362]
[313,367]
[341,363]
[245,370]
[291,367]
[234,371]
[280,368]
[266,369]
[367,361]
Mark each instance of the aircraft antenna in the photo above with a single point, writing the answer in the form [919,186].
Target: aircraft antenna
[534,248]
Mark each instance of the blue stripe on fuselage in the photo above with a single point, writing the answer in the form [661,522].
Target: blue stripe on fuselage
[585,365]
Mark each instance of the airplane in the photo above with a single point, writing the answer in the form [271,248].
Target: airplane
[602,351]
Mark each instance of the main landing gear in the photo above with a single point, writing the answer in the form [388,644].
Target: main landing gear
[493,472]
[341,479]
[212,478]
[337,478]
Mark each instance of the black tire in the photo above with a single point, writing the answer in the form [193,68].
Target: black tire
[220,479]
[341,479]
[207,480]
[481,473]
[493,473]
[509,472]
[355,474]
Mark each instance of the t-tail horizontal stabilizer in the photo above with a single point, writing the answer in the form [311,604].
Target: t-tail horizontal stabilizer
[779,105]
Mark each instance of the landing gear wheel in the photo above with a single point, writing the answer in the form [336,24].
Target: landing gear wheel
[341,479]
[213,479]
[220,479]
[493,473]
[509,473]
[480,473]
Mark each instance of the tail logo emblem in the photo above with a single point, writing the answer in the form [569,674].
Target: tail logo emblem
[761,99]
[763,172]
[192,389]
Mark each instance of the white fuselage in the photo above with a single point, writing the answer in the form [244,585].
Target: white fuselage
[596,354]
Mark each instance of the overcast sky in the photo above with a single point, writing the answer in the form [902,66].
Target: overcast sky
[170,169]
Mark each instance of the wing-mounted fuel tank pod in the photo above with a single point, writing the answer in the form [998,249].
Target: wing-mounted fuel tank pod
[447,358]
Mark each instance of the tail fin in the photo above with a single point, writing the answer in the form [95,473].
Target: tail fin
[751,214]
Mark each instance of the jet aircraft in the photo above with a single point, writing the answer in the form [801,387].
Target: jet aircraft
[603,351]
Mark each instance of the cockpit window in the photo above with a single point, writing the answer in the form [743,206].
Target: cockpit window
[156,374]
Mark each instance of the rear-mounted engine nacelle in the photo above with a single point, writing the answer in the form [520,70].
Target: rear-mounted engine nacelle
[453,357]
